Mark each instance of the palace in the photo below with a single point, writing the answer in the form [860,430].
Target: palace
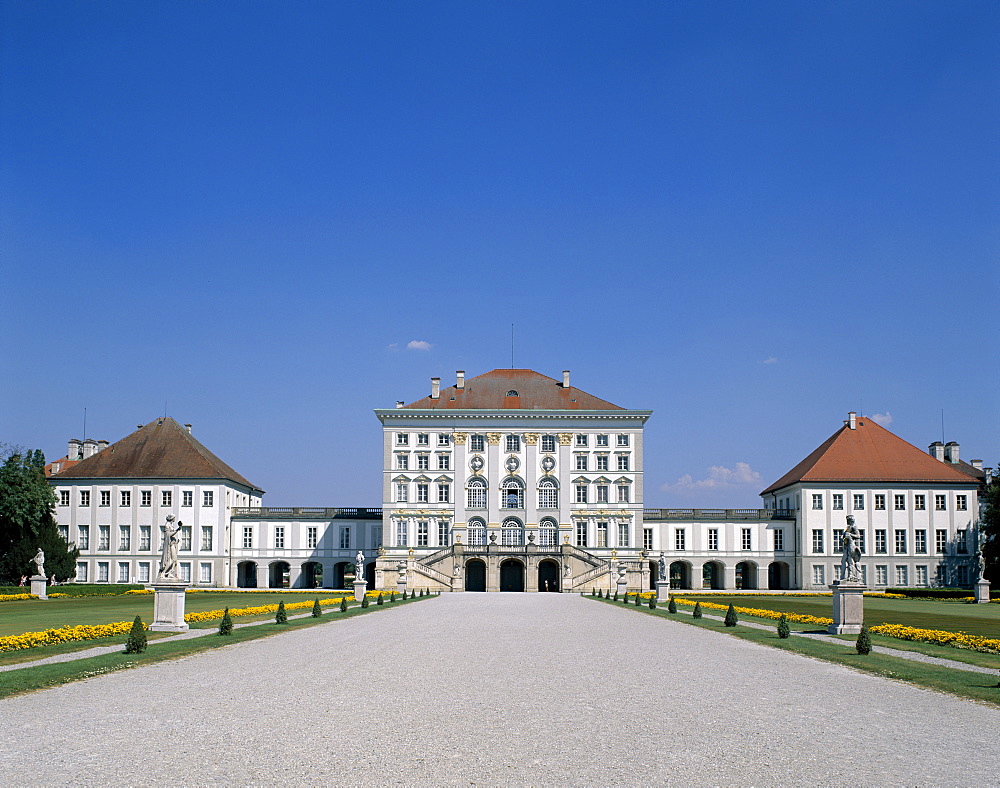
[515,481]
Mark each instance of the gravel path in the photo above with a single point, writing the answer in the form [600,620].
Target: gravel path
[497,689]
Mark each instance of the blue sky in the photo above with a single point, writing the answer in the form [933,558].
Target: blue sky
[749,218]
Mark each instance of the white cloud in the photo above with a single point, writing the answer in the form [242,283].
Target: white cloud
[394,347]
[718,476]
[418,344]
[882,419]
[769,360]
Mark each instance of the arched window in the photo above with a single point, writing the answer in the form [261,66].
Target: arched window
[477,532]
[548,494]
[476,494]
[513,393]
[548,533]
[512,494]
[512,532]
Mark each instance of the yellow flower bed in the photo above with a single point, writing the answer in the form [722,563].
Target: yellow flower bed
[63,635]
[954,639]
[754,611]
[804,593]
[15,597]
[259,610]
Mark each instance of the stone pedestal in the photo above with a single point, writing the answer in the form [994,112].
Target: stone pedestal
[39,586]
[622,587]
[982,591]
[168,606]
[360,587]
[848,608]
[662,590]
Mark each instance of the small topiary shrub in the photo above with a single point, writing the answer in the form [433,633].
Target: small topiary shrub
[783,629]
[317,610]
[638,600]
[392,597]
[404,595]
[697,610]
[731,619]
[600,593]
[652,603]
[616,596]
[343,604]
[226,625]
[864,644]
[281,616]
[364,601]
[379,600]
[136,642]
[593,592]
[672,605]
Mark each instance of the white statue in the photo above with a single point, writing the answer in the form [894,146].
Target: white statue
[359,566]
[662,573]
[168,557]
[39,560]
[980,565]
[566,570]
[849,568]
[457,570]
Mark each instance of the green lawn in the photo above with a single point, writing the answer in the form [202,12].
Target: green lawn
[945,614]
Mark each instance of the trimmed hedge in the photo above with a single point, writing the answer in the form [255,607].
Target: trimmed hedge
[938,593]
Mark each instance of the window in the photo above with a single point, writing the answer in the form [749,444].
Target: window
[478,443]
[122,573]
[312,536]
[880,502]
[902,576]
[402,492]
[423,496]
[143,575]
[167,497]
[920,541]
[146,498]
[187,498]
[345,537]
[402,439]
[647,538]
[548,495]
[817,501]
[124,537]
[581,462]
[422,533]
[102,571]
[623,535]
[859,503]
[377,536]
[83,537]
[402,462]
[105,497]
[713,538]
[602,493]
[601,440]
[64,497]
[940,503]
[881,541]
[899,502]
[602,534]
[444,533]
[423,439]
[962,578]
[512,495]
[920,575]
[862,543]
[104,537]
[84,497]
[401,533]
[511,533]
[746,539]
[602,462]
[204,573]
[548,533]
[900,540]
[81,571]
[940,540]
[680,539]
[444,439]
[476,494]
[581,534]
[279,537]
[423,462]
[817,540]
[206,538]
[444,493]
[623,493]
[185,572]
[64,533]
[444,462]
[623,462]
[145,537]
[838,501]
[477,532]
[881,575]
[513,443]
[623,440]
[919,502]
[581,493]
[779,538]
[838,540]
[961,503]
[961,541]
[208,498]
[581,440]
[247,536]
[548,443]
[819,575]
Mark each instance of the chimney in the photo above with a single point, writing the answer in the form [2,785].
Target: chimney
[951,452]
[936,450]
[460,374]
[852,420]
[74,449]
[102,445]
[565,378]
[399,403]
[89,448]
[435,388]
[188,428]
[977,464]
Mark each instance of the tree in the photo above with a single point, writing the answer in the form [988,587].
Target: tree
[317,610]
[990,524]
[783,629]
[731,619]
[136,642]
[226,625]
[864,642]
[26,521]
[281,617]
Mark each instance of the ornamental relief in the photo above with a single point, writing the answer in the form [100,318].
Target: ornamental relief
[459,437]
[493,438]
[531,438]
[477,464]
[565,438]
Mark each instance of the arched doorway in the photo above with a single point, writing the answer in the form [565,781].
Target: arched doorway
[340,572]
[475,575]
[746,575]
[511,575]
[680,574]
[654,574]
[777,575]
[278,574]
[548,576]
[713,575]
[246,574]
[312,574]
[370,575]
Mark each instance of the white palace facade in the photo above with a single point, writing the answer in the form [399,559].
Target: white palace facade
[515,481]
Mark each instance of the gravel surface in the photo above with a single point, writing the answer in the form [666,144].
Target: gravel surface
[497,689]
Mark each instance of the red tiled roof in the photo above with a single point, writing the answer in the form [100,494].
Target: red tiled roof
[869,453]
[162,449]
[534,392]
[64,464]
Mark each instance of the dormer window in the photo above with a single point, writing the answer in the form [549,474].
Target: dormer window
[513,393]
